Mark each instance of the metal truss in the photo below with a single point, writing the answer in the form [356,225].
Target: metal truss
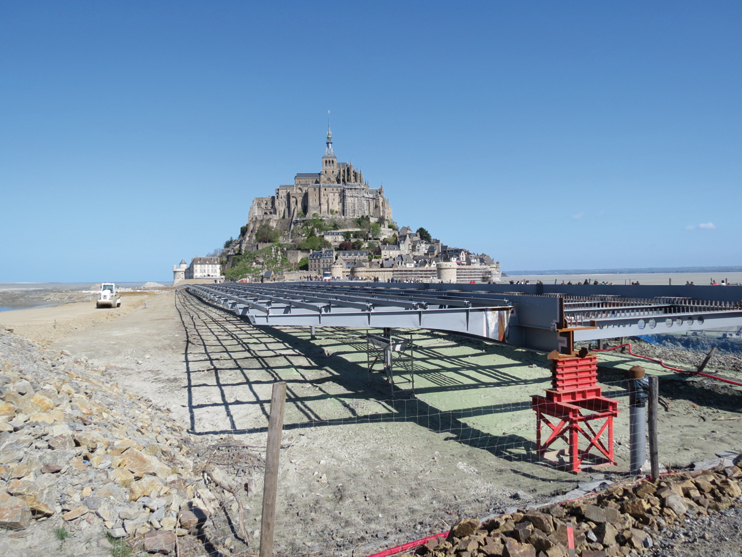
[321,305]
[631,316]
[542,317]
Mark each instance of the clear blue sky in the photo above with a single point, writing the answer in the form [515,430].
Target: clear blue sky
[546,134]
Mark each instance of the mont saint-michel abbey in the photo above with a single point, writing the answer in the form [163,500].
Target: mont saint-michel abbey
[337,190]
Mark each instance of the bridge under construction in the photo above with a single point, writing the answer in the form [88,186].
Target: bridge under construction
[536,316]
[540,317]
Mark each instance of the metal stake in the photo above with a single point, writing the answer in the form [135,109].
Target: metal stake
[654,450]
[638,385]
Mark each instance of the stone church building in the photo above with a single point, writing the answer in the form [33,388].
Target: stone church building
[337,190]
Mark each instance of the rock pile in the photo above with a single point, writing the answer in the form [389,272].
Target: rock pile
[152,285]
[620,521]
[77,451]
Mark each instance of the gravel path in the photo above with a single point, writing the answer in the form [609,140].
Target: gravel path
[716,535]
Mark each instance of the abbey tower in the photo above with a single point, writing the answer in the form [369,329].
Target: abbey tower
[329,162]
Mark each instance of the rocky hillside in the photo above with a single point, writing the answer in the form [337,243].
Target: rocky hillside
[253,264]
[87,467]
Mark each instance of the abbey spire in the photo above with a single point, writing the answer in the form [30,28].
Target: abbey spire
[329,161]
[329,152]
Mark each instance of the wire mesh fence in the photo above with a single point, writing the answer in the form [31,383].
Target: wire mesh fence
[364,465]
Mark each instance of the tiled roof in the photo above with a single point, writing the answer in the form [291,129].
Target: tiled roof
[324,254]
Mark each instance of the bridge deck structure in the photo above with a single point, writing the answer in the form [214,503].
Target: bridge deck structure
[538,316]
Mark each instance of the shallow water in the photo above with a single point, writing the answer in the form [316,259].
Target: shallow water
[42,286]
[25,295]
[61,286]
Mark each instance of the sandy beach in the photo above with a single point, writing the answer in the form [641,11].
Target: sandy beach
[627,278]
[47,324]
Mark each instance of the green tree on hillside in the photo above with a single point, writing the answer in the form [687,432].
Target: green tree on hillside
[363,222]
[316,224]
[424,234]
[267,234]
[314,242]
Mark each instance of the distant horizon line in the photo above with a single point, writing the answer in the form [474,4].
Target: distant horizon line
[91,282]
[629,270]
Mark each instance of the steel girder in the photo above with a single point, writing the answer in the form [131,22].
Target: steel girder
[317,307]
[622,317]
[542,317]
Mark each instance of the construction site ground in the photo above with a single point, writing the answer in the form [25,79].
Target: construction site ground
[361,469]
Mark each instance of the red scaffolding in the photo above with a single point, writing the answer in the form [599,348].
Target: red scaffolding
[574,410]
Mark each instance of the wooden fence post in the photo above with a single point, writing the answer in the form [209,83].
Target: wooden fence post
[706,359]
[270,483]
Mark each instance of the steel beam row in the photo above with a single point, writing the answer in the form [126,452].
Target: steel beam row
[295,304]
[542,318]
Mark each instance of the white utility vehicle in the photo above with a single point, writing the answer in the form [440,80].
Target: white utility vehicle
[108,297]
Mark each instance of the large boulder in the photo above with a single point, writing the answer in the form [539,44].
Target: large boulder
[15,514]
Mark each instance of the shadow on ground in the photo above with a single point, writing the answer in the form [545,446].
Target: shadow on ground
[215,334]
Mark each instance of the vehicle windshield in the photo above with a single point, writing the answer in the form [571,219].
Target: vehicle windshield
[108,287]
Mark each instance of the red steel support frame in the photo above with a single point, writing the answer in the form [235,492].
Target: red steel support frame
[575,403]
[572,425]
